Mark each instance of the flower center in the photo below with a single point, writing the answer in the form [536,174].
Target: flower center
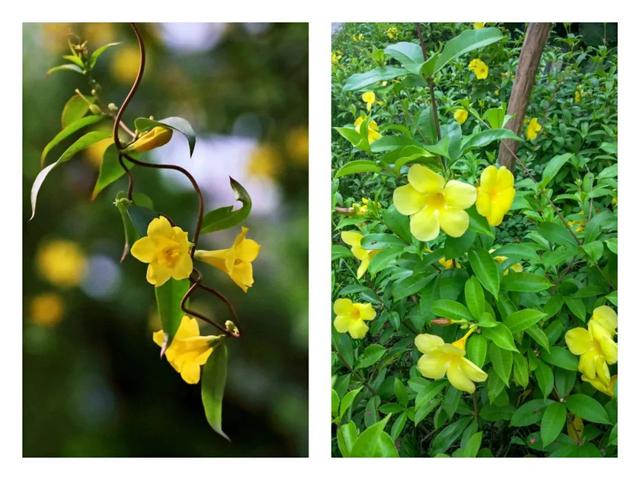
[355,313]
[170,255]
[435,200]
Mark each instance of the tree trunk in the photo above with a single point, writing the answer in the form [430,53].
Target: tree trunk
[530,54]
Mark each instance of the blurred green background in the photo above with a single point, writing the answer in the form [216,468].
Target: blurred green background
[93,383]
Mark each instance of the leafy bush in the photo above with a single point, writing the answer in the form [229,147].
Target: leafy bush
[474,308]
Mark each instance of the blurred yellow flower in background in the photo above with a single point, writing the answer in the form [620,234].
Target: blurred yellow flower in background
[460,115]
[125,63]
[478,25]
[46,309]
[479,68]
[98,33]
[62,263]
[188,350]
[373,133]
[264,162]
[350,317]
[236,260]
[55,36]
[96,151]
[495,194]
[297,145]
[533,129]
[369,98]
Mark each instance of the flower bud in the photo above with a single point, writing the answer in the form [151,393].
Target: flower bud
[156,137]
[231,328]
[441,321]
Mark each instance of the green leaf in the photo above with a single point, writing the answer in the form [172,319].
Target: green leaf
[539,337]
[68,130]
[214,377]
[556,233]
[347,401]
[485,137]
[478,223]
[471,447]
[450,309]
[474,297]
[466,42]
[131,234]
[83,142]
[520,370]
[486,270]
[552,422]
[347,435]
[587,408]
[525,282]
[502,361]
[544,377]
[99,51]
[449,434]
[518,251]
[455,247]
[495,117]
[375,442]
[357,166]
[354,137]
[178,124]
[110,170]
[67,66]
[397,223]
[401,392]
[226,217]
[477,349]
[168,298]
[383,259]
[501,336]
[75,108]
[552,168]
[529,413]
[371,355]
[379,241]
[405,53]
[561,357]
[523,319]
[362,80]
[410,285]
[335,403]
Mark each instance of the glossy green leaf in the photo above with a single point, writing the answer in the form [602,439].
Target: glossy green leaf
[397,223]
[529,413]
[358,166]
[383,259]
[450,309]
[347,401]
[214,378]
[523,319]
[362,80]
[502,361]
[75,108]
[471,447]
[486,270]
[406,53]
[371,355]
[168,298]
[99,51]
[561,357]
[501,336]
[557,233]
[379,241]
[587,408]
[178,124]
[226,217]
[544,377]
[347,435]
[485,137]
[110,170]
[66,67]
[525,282]
[552,168]
[68,130]
[538,336]
[375,442]
[474,297]
[131,234]
[477,349]
[552,423]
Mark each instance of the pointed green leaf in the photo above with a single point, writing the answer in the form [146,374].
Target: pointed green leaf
[69,129]
[375,442]
[75,108]
[362,80]
[523,319]
[358,166]
[552,422]
[99,51]
[226,217]
[168,298]
[214,378]
[587,408]
[474,297]
[486,270]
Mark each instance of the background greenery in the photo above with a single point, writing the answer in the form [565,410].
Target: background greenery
[93,384]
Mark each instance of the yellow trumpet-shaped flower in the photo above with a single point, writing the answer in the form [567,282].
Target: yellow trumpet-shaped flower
[460,115]
[188,350]
[607,388]
[236,260]
[369,98]
[595,345]
[350,317]
[354,239]
[533,129]
[433,205]
[154,138]
[479,68]
[478,25]
[166,250]
[440,359]
[495,194]
[372,128]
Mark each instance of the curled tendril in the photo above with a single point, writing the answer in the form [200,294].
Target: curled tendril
[195,278]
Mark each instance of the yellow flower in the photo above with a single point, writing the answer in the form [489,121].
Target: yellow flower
[264,162]
[47,309]
[350,317]
[357,37]
[372,129]
[433,205]
[577,96]
[595,345]
[495,194]
[577,225]
[124,66]
[96,151]
[479,68]
[369,98]
[166,250]
[336,56]
[62,263]
[154,138]
[297,145]
[354,239]
[478,25]
[440,358]
[392,33]
[533,129]
[607,388]
[236,260]
[188,350]
[460,115]
[516,267]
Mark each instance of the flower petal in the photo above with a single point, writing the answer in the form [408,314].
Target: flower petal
[587,363]
[242,275]
[432,366]
[504,179]
[188,328]
[607,318]
[190,372]
[488,177]
[454,221]
[459,194]
[157,274]
[425,180]
[609,350]
[427,343]
[578,340]
[408,200]
[351,238]
[459,379]
[472,371]
[358,329]
[342,306]
[144,249]
[158,337]
[367,312]
[160,227]
[248,250]
[215,258]
[424,225]
[364,264]
[341,323]
[183,267]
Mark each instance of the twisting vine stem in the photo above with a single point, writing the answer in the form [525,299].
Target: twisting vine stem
[195,278]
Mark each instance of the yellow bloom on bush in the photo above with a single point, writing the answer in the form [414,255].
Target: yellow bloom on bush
[335,57]
[350,317]
[577,96]
[392,33]
[46,309]
[595,346]
[166,249]
[297,145]
[188,350]
[460,115]
[236,260]
[434,205]
[372,129]
[357,37]
[533,129]
[478,25]
[440,359]
[479,68]
[62,263]
[495,194]
[369,98]
[354,239]
[154,138]
[608,388]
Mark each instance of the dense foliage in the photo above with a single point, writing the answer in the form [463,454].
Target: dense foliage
[468,322]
